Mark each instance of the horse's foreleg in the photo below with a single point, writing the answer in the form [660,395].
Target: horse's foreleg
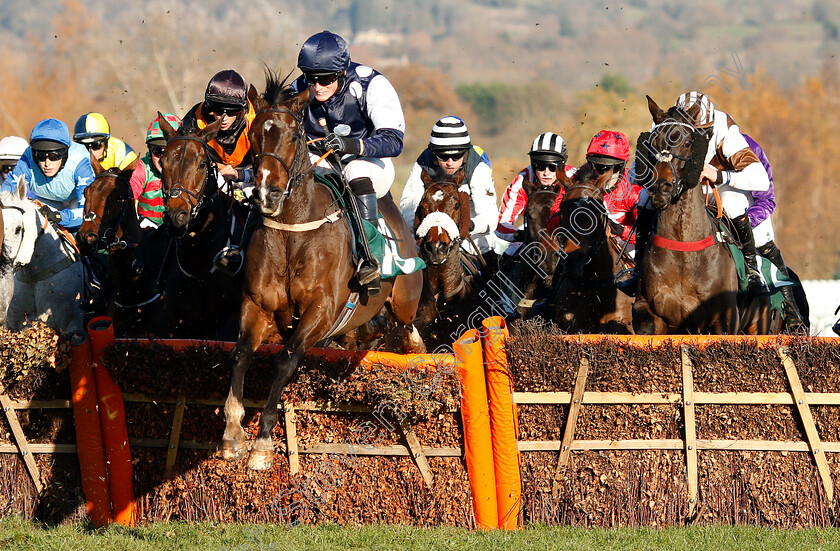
[253,328]
[313,325]
[644,320]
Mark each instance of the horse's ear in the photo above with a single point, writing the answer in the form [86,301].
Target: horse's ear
[693,113]
[563,179]
[458,177]
[21,188]
[254,96]
[130,168]
[95,164]
[426,178]
[165,127]
[298,102]
[657,113]
[210,131]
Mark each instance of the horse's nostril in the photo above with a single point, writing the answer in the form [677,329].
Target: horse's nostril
[91,238]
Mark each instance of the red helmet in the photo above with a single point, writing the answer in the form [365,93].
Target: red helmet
[608,147]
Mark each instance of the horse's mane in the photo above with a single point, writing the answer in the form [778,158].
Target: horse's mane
[277,90]
[584,174]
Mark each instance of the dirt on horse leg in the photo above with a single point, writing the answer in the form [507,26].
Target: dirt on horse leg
[254,329]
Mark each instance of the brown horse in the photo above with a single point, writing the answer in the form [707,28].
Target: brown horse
[299,269]
[688,280]
[111,223]
[585,297]
[199,219]
[441,223]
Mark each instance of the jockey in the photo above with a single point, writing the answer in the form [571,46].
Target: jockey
[11,150]
[56,172]
[357,112]
[450,151]
[763,205]
[93,132]
[608,151]
[548,154]
[145,180]
[733,168]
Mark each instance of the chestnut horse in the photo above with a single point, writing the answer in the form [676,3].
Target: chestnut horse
[199,301]
[441,223]
[299,269]
[111,223]
[586,299]
[688,282]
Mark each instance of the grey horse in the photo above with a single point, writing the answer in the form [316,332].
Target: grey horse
[41,275]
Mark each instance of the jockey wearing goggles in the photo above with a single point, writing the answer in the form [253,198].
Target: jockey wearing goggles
[146,179]
[94,132]
[450,150]
[56,171]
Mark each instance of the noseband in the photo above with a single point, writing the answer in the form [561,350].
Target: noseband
[196,201]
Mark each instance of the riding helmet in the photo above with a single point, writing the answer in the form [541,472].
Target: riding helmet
[608,147]
[91,127]
[449,135]
[12,148]
[50,135]
[227,88]
[549,147]
[155,135]
[706,116]
[324,52]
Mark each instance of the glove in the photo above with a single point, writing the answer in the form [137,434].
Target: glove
[52,215]
[472,226]
[616,228]
[520,236]
[341,144]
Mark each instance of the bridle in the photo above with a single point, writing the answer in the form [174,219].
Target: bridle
[109,235]
[593,196]
[196,201]
[668,156]
[296,173]
[455,241]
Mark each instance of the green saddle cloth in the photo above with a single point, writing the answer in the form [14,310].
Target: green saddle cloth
[774,279]
[383,245]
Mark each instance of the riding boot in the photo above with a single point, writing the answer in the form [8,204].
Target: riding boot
[644,227]
[755,284]
[368,272]
[793,319]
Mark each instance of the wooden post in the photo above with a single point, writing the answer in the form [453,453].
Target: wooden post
[175,434]
[690,431]
[817,449]
[291,438]
[571,421]
[20,440]
[416,452]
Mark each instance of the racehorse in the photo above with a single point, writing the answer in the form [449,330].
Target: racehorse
[441,223]
[199,301]
[586,299]
[42,275]
[299,269]
[688,280]
[111,223]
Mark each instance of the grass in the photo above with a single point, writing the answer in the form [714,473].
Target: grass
[19,534]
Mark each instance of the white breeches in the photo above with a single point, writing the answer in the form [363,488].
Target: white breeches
[380,171]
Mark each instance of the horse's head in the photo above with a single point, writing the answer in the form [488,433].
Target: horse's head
[583,218]
[671,156]
[442,219]
[278,142]
[188,174]
[20,228]
[106,201]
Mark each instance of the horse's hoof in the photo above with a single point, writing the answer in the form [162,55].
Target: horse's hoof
[261,460]
[233,451]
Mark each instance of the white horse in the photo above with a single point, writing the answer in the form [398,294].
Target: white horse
[41,275]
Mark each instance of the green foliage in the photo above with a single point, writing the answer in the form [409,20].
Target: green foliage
[615,83]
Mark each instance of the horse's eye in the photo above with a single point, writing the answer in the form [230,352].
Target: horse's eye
[202,164]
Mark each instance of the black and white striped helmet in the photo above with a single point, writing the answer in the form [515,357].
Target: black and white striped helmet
[706,116]
[549,147]
[449,135]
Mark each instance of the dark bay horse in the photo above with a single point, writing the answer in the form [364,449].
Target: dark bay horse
[688,280]
[299,269]
[441,223]
[111,223]
[586,299]
[199,301]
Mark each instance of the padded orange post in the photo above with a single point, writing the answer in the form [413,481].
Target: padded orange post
[114,430]
[503,423]
[478,448]
[88,432]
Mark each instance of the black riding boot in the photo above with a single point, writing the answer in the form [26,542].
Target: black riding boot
[644,226]
[755,285]
[368,273]
[793,317]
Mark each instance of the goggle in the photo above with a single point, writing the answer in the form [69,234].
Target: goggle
[600,169]
[5,169]
[98,144]
[324,79]
[443,157]
[539,166]
[229,110]
[42,156]
[156,150]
